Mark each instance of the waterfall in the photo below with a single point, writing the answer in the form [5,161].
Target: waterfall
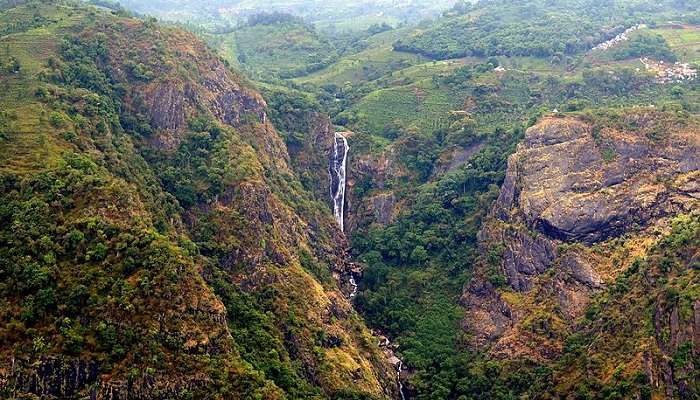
[398,377]
[396,362]
[337,173]
[354,285]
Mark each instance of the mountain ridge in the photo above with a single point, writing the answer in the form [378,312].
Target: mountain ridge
[168,228]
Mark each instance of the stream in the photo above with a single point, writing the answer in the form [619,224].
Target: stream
[337,171]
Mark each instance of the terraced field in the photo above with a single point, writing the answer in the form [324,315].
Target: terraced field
[378,59]
[26,141]
[421,104]
[684,41]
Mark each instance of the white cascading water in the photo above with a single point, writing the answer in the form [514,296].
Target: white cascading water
[337,172]
[354,286]
[398,377]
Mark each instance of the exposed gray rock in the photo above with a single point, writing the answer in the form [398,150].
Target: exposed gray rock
[488,317]
[595,191]
[383,207]
[371,172]
[523,254]
[167,107]
[457,157]
[566,183]
[580,269]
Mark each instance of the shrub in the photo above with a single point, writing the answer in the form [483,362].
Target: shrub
[58,120]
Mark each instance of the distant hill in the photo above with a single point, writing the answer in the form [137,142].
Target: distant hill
[536,28]
[290,47]
[345,14]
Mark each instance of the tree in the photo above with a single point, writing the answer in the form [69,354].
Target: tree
[419,254]
[677,92]
[14,67]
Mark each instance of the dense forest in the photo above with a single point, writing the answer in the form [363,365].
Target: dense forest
[539,29]
[520,209]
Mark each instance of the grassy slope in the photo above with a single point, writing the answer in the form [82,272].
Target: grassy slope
[375,61]
[420,104]
[29,145]
[277,50]
[684,42]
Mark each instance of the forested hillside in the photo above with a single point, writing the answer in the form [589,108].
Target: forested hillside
[520,217]
[536,28]
[154,240]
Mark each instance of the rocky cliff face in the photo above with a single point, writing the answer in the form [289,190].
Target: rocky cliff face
[577,182]
[373,171]
[177,90]
[584,199]
[312,156]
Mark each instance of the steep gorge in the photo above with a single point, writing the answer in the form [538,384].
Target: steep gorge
[167,231]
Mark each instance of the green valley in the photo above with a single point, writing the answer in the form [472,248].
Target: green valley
[350,200]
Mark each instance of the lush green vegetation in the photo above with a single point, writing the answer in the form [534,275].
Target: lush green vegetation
[81,148]
[529,28]
[418,264]
[88,257]
[685,43]
[118,251]
[291,48]
[375,59]
[644,44]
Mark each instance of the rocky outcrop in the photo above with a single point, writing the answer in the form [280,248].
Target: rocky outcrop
[54,377]
[178,93]
[62,378]
[488,317]
[370,199]
[571,184]
[167,107]
[524,254]
[678,339]
[576,185]
[311,155]
[457,157]
[383,207]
